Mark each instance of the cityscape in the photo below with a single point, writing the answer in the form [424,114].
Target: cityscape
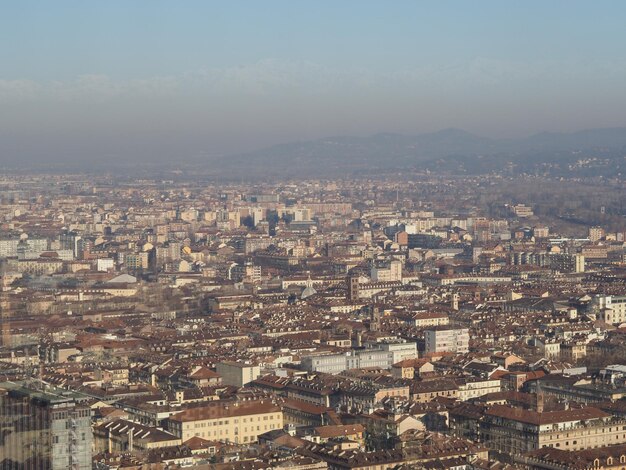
[299,261]
[363,323]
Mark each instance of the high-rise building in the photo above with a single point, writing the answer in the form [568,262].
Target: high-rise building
[446,339]
[596,233]
[43,428]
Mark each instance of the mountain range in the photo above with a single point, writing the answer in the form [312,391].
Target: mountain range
[450,149]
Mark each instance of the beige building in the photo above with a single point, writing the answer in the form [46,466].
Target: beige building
[549,348]
[516,430]
[238,422]
[573,350]
[236,373]
[426,319]
[411,368]
[477,388]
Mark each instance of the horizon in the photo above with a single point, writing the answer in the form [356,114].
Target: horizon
[152,81]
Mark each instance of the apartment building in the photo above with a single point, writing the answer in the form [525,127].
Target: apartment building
[446,339]
[610,308]
[238,422]
[44,427]
[516,430]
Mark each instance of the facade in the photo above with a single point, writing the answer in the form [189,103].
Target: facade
[446,339]
[426,319]
[610,308]
[471,389]
[516,430]
[239,422]
[389,272]
[596,234]
[121,435]
[382,356]
[237,374]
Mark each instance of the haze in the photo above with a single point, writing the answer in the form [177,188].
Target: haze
[161,80]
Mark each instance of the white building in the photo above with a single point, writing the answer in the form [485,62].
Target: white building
[446,339]
[104,264]
[390,272]
[382,355]
[610,308]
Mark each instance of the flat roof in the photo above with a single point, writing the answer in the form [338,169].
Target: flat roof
[47,393]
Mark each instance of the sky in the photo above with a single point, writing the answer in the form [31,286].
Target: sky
[178,79]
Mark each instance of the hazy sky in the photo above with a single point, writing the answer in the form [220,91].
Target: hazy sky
[186,78]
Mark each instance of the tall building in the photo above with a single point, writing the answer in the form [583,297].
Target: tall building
[353,288]
[447,339]
[596,233]
[43,428]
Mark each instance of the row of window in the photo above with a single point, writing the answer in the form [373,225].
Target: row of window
[203,424]
[222,432]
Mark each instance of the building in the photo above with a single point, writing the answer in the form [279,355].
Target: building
[381,356]
[596,234]
[517,430]
[105,264]
[239,422]
[353,288]
[567,263]
[522,211]
[388,272]
[610,308]
[237,374]
[121,435]
[446,339]
[426,319]
[44,427]
[136,261]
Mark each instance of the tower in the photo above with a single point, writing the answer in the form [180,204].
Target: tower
[374,318]
[353,288]
[540,403]
[455,301]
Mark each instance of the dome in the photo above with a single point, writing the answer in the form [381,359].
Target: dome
[308,292]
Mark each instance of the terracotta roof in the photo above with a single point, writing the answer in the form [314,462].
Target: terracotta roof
[329,432]
[547,417]
[221,410]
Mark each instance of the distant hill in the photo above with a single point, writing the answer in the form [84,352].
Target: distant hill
[444,149]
